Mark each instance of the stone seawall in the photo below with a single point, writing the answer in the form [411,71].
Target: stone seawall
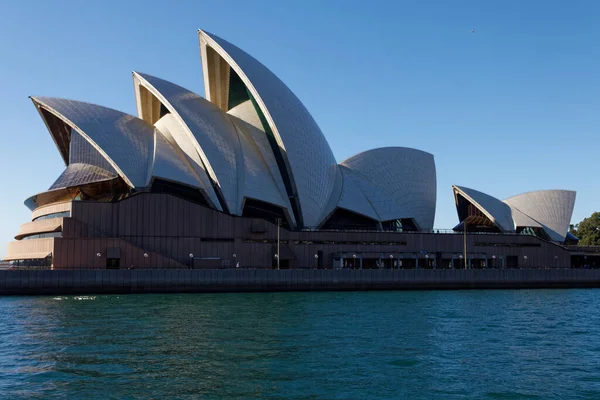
[205,281]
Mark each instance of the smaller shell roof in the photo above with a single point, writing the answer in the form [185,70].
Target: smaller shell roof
[403,183]
[352,198]
[522,219]
[552,208]
[497,211]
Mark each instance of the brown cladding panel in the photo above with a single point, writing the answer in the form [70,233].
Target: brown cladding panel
[177,227]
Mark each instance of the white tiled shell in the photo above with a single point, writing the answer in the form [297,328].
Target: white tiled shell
[334,197]
[246,112]
[523,220]
[383,204]
[257,181]
[259,175]
[175,133]
[310,162]
[211,130]
[246,119]
[552,208]
[493,208]
[77,174]
[352,197]
[403,183]
[124,140]
[168,161]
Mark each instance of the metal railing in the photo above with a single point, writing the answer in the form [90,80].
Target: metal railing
[428,231]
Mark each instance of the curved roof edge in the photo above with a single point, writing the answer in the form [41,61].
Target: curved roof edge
[204,169]
[402,183]
[296,137]
[129,157]
[144,80]
[497,211]
[553,209]
[387,148]
[352,198]
[77,174]
[545,192]
[205,39]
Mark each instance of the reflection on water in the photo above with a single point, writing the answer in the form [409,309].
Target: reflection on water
[379,345]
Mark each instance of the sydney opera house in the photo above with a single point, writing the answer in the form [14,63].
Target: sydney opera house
[244,177]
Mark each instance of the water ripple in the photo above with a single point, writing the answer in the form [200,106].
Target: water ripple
[529,344]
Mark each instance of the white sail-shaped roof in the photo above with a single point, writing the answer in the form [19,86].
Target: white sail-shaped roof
[259,177]
[352,197]
[309,166]
[403,183]
[231,151]
[523,220]
[169,162]
[122,139]
[552,208]
[208,129]
[497,211]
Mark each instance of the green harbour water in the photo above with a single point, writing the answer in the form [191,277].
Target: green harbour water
[503,344]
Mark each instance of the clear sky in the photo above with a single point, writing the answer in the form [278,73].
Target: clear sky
[511,108]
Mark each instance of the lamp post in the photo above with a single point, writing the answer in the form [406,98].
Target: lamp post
[461,258]
[98,255]
[353,261]
[145,257]
[465,241]
[391,261]
[494,260]
[278,225]
[316,261]
[234,260]
[191,260]
[277,259]
[525,262]
[426,261]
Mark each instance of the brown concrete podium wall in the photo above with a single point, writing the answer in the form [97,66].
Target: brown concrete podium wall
[59,282]
[169,229]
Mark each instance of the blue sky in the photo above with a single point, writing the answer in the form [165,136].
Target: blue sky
[512,108]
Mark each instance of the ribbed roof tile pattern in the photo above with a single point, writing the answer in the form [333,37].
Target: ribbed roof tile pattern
[81,174]
[255,178]
[175,133]
[548,209]
[257,141]
[404,183]
[520,219]
[352,197]
[552,208]
[260,176]
[124,140]
[311,163]
[168,163]
[215,135]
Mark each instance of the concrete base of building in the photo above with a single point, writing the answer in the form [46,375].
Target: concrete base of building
[48,282]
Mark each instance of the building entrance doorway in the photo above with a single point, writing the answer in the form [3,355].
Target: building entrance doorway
[113,263]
